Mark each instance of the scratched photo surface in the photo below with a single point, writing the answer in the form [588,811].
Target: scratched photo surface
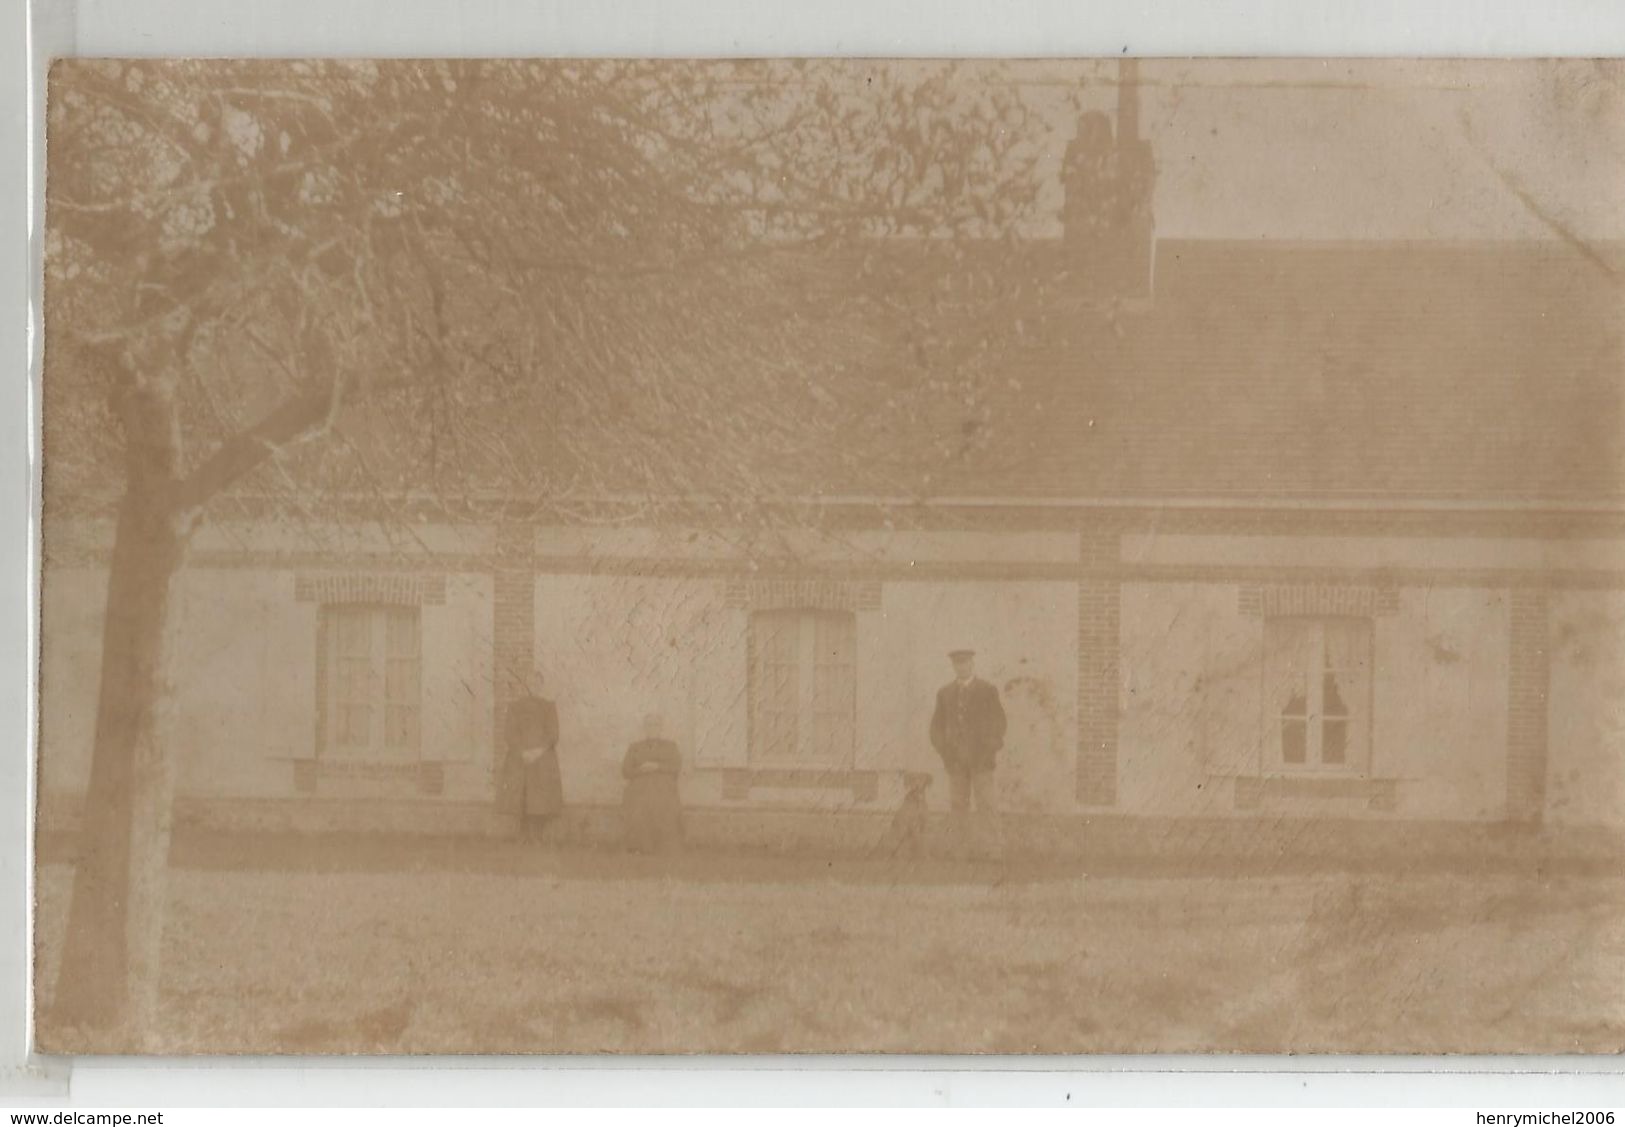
[833,556]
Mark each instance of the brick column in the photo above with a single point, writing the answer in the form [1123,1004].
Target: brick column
[1099,647]
[1528,684]
[513,644]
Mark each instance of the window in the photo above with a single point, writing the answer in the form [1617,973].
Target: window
[1317,693]
[374,675]
[804,687]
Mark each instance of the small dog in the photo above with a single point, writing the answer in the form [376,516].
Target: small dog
[905,837]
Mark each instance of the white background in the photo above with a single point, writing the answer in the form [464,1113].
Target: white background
[675,28]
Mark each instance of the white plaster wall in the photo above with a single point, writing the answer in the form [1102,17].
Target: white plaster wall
[1179,548]
[242,673]
[417,541]
[1025,635]
[1440,688]
[458,685]
[244,677]
[616,648]
[1585,782]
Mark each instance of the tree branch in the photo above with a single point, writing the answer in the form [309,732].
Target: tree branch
[1533,206]
[246,449]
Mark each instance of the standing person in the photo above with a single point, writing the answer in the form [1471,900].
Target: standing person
[967,731]
[532,735]
[652,809]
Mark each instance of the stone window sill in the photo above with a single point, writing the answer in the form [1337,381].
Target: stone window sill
[1253,792]
[428,777]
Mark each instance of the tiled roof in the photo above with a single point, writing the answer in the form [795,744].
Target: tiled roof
[1388,370]
[1444,371]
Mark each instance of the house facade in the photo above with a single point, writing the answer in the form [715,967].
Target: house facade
[1206,661]
[1301,531]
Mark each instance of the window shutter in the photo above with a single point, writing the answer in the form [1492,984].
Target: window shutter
[776,681]
[456,684]
[289,698]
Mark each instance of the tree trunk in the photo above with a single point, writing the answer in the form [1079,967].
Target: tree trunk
[107,987]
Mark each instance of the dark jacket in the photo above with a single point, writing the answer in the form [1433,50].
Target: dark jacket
[652,810]
[967,728]
[533,723]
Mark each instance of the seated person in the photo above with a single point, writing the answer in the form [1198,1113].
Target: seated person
[652,811]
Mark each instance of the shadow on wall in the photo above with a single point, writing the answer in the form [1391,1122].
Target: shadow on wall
[1586,755]
[1037,767]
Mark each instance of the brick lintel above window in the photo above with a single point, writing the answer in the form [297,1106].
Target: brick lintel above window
[801,593]
[1318,600]
[401,589]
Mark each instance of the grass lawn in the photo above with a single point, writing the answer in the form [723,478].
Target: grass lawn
[638,955]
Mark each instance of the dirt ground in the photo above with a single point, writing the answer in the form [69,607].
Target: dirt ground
[641,955]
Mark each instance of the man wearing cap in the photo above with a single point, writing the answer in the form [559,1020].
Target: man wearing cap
[967,730]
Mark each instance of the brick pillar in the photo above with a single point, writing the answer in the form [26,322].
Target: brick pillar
[1528,684]
[1099,647]
[513,644]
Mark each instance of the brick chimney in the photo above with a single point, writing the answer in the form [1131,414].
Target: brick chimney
[1108,178]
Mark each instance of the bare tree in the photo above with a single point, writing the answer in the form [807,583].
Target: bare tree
[555,280]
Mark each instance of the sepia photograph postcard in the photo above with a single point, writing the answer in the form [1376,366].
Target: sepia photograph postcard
[832,556]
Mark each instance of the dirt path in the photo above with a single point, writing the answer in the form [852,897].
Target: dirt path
[628,960]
